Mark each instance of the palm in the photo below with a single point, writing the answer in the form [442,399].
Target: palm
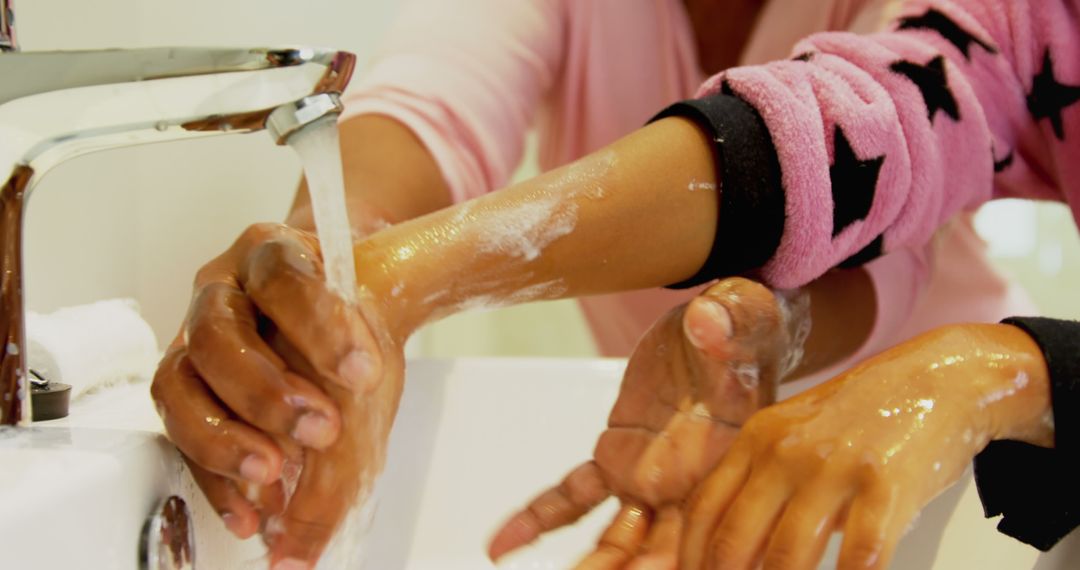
[678,411]
[676,414]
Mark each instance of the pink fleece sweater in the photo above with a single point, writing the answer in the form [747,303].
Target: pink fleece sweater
[470,77]
[875,141]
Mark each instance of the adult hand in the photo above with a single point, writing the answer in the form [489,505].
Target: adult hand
[240,409]
[692,381]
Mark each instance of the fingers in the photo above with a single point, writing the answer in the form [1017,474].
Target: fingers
[707,325]
[621,541]
[238,514]
[661,548]
[875,523]
[804,529]
[736,364]
[707,509]
[740,321]
[284,278]
[752,307]
[741,537]
[205,432]
[323,497]
[559,506]
[250,379]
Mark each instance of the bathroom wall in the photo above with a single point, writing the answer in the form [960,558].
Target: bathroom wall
[1036,244]
[138,222]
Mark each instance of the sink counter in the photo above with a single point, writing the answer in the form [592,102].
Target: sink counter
[475,438]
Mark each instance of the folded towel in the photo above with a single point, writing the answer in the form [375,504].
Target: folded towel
[92,346]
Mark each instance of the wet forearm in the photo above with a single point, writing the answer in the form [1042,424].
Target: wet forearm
[639,213]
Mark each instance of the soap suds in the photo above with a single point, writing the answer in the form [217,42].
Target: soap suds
[524,230]
[794,308]
[748,374]
[1019,383]
[540,291]
[694,185]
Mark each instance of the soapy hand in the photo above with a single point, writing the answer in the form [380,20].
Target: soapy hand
[692,381]
[270,366]
[862,453]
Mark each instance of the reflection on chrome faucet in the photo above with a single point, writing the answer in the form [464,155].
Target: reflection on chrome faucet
[58,105]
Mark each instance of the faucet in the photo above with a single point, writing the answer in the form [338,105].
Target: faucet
[58,105]
[7,26]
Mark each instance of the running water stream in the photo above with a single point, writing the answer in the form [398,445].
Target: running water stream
[319,150]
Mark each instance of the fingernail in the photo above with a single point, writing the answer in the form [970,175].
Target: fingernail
[255,469]
[713,318]
[291,564]
[357,368]
[719,315]
[313,430]
[233,522]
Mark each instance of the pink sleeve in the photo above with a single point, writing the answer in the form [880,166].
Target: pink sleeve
[466,77]
[872,142]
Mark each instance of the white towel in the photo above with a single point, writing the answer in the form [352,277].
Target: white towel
[92,346]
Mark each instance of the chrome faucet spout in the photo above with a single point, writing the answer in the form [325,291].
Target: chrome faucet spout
[7,26]
[58,105]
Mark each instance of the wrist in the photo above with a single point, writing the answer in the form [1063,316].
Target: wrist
[1026,414]
[1012,389]
[407,276]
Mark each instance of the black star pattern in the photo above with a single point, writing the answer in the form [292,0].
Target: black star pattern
[933,83]
[865,255]
[948,29]
[1001,165]
[1048,97]
[853,182]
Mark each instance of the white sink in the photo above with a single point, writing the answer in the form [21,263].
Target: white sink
[474,439]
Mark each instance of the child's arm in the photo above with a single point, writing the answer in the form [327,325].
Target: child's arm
[866,144]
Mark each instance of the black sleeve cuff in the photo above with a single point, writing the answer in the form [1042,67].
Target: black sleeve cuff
[751,218]
[1035,488]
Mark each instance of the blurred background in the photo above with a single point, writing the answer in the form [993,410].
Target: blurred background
[138,222]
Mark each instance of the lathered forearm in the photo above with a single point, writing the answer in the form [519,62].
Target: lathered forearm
[639,213]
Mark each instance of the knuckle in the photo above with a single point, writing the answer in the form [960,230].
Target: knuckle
[783,556]
[259,232]
[543,512]
[216,301]
[265,407]
[204,274]
[279,262]
[208,452]
[166,378]
[726,549]
[203,339]
[758,429]
[865,553]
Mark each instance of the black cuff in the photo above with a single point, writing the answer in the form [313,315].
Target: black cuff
[1035,488]
[751,218]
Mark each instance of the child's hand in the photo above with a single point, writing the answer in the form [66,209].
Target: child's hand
[864,453]
[692,381]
